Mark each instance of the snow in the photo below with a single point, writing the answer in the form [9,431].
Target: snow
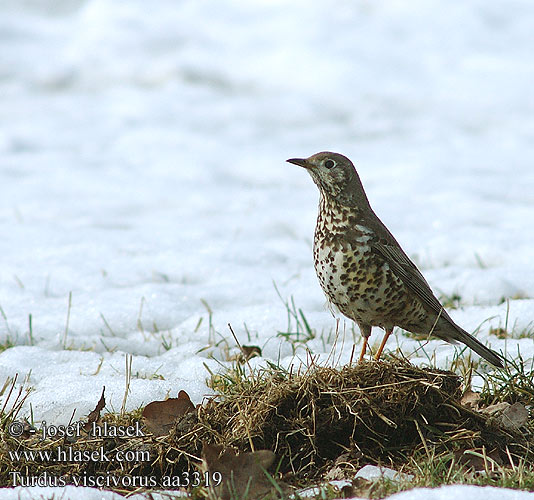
[75,493]
[463,491]
[443,493]
[142,171]
[372,472]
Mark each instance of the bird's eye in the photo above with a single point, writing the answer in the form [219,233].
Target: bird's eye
[329,163]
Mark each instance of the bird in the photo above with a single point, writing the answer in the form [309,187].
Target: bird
[363,270]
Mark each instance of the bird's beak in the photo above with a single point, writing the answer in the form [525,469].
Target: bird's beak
[301,162]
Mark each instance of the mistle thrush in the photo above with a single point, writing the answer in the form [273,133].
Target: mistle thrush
[363,270]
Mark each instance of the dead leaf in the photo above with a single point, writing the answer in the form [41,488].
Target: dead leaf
[94,416]
[160,416]
[343,467]
[245,353]
[248,352]
[495,409]
[515,416]
[28,430]
[511,417]
[361,488]
[479,460]
[335,473]
[348,491]
[470,399]
[501,333]
[243,476]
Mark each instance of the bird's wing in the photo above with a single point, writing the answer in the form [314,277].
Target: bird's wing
[384,244]
[405,269]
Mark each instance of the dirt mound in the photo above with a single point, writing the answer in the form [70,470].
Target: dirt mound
[372,412]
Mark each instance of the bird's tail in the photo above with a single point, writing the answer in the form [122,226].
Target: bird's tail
[489,355]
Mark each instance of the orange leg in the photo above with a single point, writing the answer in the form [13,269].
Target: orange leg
[384,340]
[364,348]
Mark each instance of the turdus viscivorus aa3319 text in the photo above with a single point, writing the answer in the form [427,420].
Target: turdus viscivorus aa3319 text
[363,270]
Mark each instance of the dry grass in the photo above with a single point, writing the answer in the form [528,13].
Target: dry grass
[368,413]
[374,412]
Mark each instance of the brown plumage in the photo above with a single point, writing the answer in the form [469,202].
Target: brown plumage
[363,270]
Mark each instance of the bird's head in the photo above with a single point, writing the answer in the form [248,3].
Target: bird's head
[335,177]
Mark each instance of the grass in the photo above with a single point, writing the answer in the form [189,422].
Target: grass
[7,344]
[514,333]
[447,460]
[375,413]
[447,469]
[388,413]
[452,301]
[431,466]
[298,330]
[433,472]
[512,384]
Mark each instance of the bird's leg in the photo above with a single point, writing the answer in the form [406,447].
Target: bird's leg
[365,330]
[364,348]
[389,331]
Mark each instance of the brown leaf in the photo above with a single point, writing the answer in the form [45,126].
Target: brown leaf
[28,430]
[514,416]
[479,460]
[95,414]
[243,474]
[335,473]
[160,416]
[249,351]
[348,491]
[361,488]
[246,352]
[470,399]
[495,409]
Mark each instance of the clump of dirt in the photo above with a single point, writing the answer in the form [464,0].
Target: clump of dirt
[370,413]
